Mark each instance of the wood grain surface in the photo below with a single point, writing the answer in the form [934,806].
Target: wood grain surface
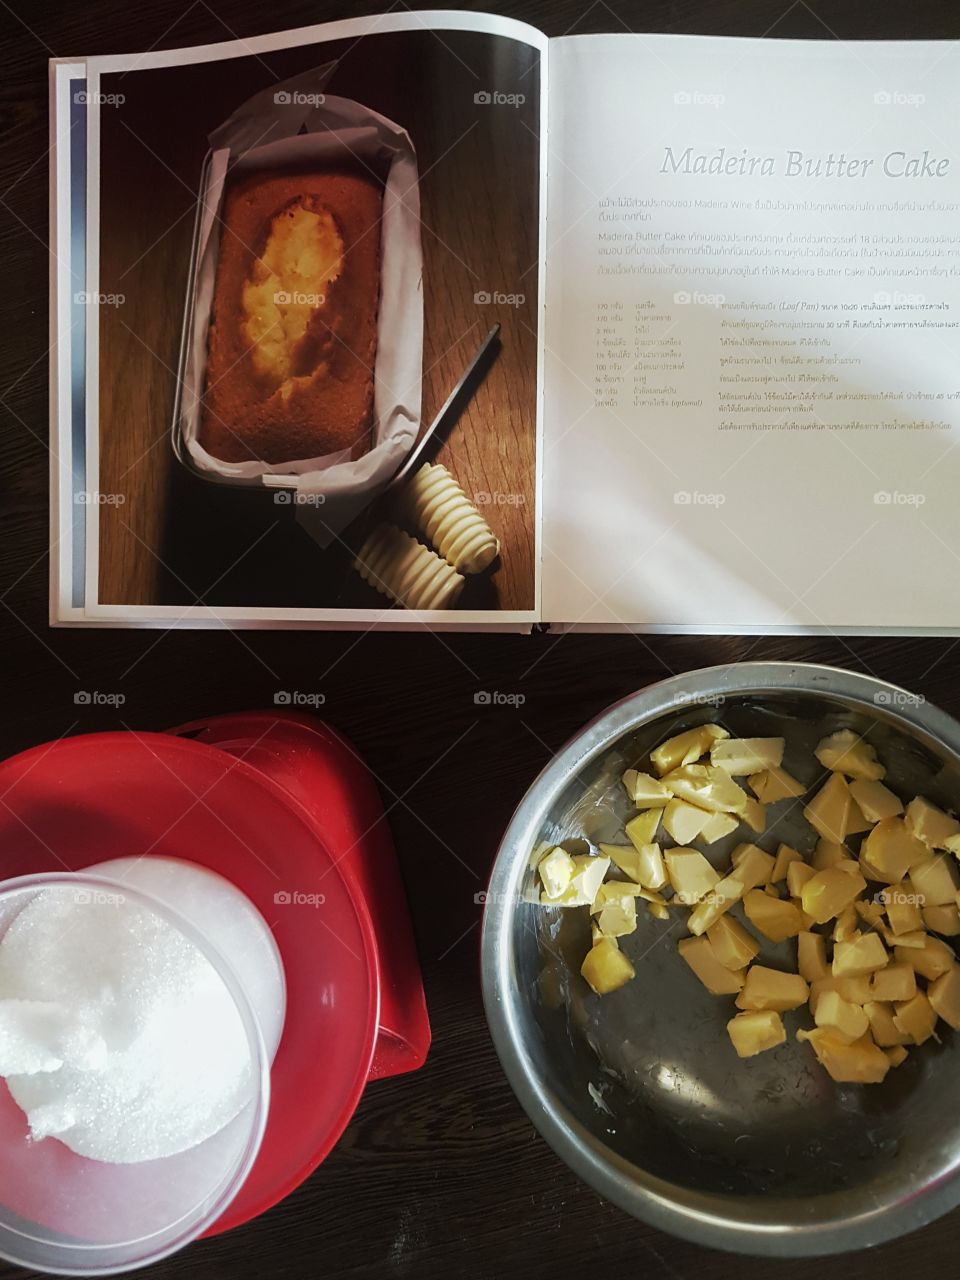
[440,1173]
[176,537]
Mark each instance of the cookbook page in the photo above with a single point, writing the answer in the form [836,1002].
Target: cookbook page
[298,247]
[752,371]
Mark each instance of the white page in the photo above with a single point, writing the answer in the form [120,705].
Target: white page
[752,512]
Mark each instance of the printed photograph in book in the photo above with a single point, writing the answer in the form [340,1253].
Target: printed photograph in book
[316,255]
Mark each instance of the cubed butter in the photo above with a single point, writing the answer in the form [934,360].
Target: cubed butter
[930,824]
[827,893]
[718,825]
[645,791]
[861,1062]
[752,865]
[556,870]
[716,977]
[683,821]
[845,1020]
[755,815]
[606,968]
[897,1054]
[827,854]
[882,1026]
[740,756]
[944,997]
[587,877]
[775,918]
[931,960]
[707,786]
[766,988]
[812,956]
[798,873]
[901,902]
[849,753]
[895,981]
[892,849]
[785,857]
[691,874]
[618,917]
[874,800]
[733,945]
[943,919]
[756,1031]
[686,748]
[935,880]
[711,907]
[829,810]
[775,784]
[916,1018]
[861,956]
[643,828]
[649,869]
[846,927]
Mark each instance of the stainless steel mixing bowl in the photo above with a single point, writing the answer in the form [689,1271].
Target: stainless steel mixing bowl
[640,1092]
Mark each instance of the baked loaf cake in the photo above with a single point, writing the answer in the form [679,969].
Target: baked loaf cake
[293,328]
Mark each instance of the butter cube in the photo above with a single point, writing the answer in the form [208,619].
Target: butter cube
[856,990]
[882,1026]
[606,968]
[931,960]
[897,1054]
[856,821]
[710,908]
[827,893]
[812,956]
[798,874]
[716,977]
[718,825]
[756,1031]
[643,828]
[902,905]
[943,919]
[892,849]
[556,870]
[871,913]
[686,748]
[755,815]
[861,1062]
[944,997]
[846,1021]
[785,858]
[874,800]
[649,869]
[587,877]
[739,756]
[775,784]
[934,880]
[733,945]
[846,927]
[930,824]
[752,865]
[829,810]
[904,940]
[691,874]
[771,989]
[658,910]
[618,918]
[774,918]
[849,753]
[861,956]
[645,792]
[708,787]
[894,982]
[827,854]
[916,1018]
[683,821]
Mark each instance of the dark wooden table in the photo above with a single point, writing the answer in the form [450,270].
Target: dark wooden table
[440,1173]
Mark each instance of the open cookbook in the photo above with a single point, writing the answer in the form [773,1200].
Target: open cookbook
[430,320]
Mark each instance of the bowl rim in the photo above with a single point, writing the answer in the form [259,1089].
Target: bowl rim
[682,1212]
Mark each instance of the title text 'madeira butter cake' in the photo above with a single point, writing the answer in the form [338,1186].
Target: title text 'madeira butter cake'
[293,327]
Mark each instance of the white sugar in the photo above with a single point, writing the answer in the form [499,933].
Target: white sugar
[117,1035]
